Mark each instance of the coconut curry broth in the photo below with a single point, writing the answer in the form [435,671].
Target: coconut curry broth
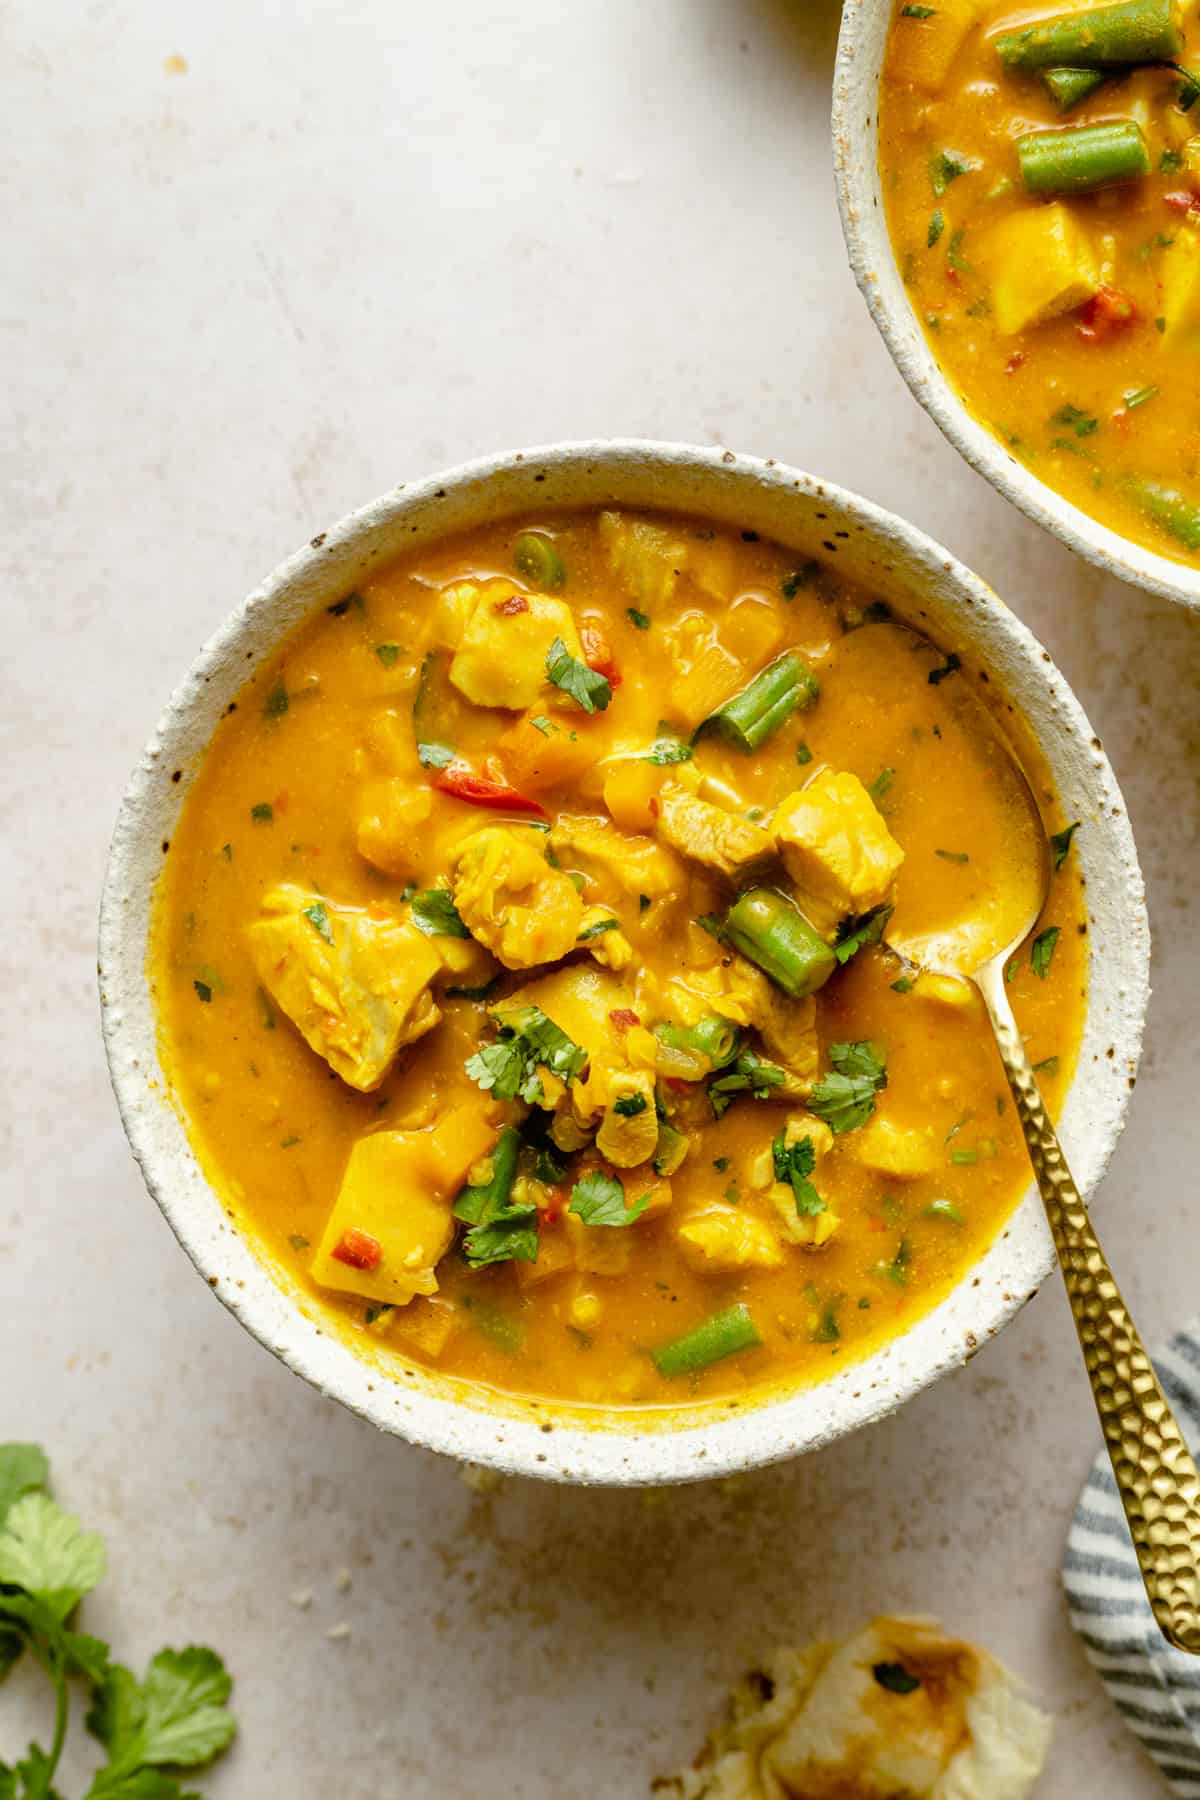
[1047,226]
[823,1211]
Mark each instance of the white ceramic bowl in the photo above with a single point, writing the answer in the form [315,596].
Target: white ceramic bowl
[864,223]
[869,546]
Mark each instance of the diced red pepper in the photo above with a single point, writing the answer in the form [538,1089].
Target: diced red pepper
[1181,200]
[1014,362]
[598,653]
[481,790]
[1109,310]
[623,1017]
[358,1249]
[516,603]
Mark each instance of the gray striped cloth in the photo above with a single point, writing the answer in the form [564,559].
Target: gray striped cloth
[1154,1688]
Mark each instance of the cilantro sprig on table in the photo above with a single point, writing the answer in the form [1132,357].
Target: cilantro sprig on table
[175,1717]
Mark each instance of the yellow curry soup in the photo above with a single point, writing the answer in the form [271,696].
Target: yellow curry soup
[559,1049]
[1046,221]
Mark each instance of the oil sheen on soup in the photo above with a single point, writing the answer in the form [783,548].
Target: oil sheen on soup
[1041,172]
[522,971]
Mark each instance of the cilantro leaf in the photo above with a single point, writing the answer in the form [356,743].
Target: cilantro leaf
[23,1467]
[668,747]
[599,1199]
[44,1550]
[794,1163]
[640,619]
[590,690]
[177,1715]
[748,1073]
[946,166]
[1060,843]
[855,934]
[318,918]
[137,1784]
[433,911]
[597,929]
[1041,951]
[528,1040]
[845,1099]
[387,654]
[895,1678]
[629,1106]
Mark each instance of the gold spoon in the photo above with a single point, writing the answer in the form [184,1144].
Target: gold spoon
[1156,1476]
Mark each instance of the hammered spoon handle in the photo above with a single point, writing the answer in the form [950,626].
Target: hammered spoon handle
[1155,1473]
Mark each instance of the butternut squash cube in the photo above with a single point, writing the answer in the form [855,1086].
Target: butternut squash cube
[598,1249]
[1039,263]
[392,1221]
[540,752]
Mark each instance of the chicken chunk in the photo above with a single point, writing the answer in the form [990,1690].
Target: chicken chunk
[629,1131]
[501,638]
[636,864]
[904,1152]
[708,834]
[510,898]
[808,1231]
[355,987]
[723,1239]
[836,848]
[392,1221]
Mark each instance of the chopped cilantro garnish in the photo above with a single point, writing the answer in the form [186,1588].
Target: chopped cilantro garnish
[1041,951]
[387,654]
[643,902]
[954,856]
[1060,843]
[227,852]
[803,755]
[895,1678]
[599,1199]
[527,1040]
[1047,1066]
[668,748]
[946,166]
[203,990]
[630,1105]
[720,1163]
[640,619]
[276,702]
[937,224]
[590,690]
[318,918]
[1083,424]
[748,1073]
[845,1098]
[799,578]
[592,931]
[473,993]
[854,934]
[881,784]
[434,913]
[917,12]
[904,984]
[897,1270]
[262,812]
[794,1163]
[541,723]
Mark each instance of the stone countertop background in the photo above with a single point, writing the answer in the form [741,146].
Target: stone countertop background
[345,247]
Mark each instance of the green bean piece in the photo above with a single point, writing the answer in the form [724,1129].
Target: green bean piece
[1170,510]
[670,1150]
[712,1036]
[535,557]
[773,932]
[1082,158]
[475,1204]
[1101,37]
[1069,88]
[776,692]
[724,1334]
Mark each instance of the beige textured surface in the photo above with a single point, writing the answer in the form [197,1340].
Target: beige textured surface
[347,246]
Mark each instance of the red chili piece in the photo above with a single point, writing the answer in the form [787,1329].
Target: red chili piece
[516,603]
[358,1249]
[623,1017]
[1181,200]
[1107,311]
[1014,362]
[597,653]
[479,790]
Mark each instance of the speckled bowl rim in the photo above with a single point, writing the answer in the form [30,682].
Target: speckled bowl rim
[860,54]
[515,1436]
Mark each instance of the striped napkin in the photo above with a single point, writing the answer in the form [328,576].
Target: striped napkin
[1154,1688]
